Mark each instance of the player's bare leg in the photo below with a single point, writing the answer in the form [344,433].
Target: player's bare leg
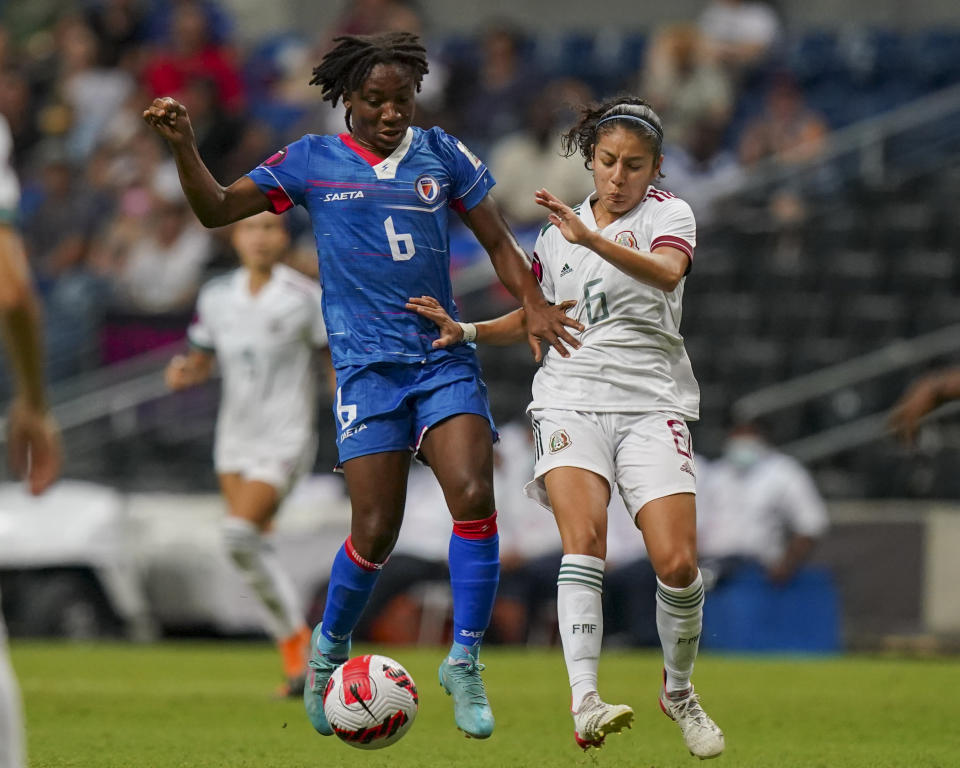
[579,499]
[377,484]
[669,531]
[460,451]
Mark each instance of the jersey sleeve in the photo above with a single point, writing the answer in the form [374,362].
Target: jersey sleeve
[470,179]
[540,267]
[200,333]
[674,226]
[282,176]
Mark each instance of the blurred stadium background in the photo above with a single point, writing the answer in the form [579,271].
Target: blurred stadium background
[826,273]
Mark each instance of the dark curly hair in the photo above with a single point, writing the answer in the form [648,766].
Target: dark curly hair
[343,69]
[638,116]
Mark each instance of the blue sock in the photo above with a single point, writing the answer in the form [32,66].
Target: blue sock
[474,575]
[351,581]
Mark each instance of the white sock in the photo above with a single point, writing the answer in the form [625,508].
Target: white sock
[11,717]
[679,622]
[580,619]
[258,564]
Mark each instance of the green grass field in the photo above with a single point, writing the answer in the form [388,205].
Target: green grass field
[209,704]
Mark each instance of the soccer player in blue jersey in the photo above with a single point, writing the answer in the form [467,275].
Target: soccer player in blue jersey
[378,196]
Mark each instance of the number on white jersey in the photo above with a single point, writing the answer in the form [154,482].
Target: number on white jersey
[596,302]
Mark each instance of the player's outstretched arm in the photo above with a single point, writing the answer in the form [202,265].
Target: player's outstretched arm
[33,440]
[662,268]
[545,322]
[185,371]
[214,205]
[502,331]
[922,397]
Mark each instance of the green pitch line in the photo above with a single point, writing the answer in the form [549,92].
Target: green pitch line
[199,705]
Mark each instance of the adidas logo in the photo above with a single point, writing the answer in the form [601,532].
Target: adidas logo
[685,467]
[567,269]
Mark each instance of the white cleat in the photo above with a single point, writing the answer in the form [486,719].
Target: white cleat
[595,719]
[702,736]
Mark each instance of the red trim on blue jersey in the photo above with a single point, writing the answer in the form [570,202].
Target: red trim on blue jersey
[476,529]
[279,200]
[674,242]
[371,157]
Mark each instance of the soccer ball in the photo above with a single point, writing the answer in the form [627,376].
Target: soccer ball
[370,702]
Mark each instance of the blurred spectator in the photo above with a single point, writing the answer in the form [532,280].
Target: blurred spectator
[119,27]
[59,228]
[489,100]
[756,505]
[739,34]
[683,84]
[94,93]
[538,147]
[17,105]
[371,17]
[788,131]
[190,54]
[701,170]
[160,264]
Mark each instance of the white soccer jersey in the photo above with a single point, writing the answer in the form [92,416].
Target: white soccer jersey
[263,345]
[632,357]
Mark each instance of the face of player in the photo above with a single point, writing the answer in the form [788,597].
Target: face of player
[624,165]
[260,241]
[382,109]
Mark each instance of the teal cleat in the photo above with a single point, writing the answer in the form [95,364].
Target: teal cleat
[471,710]
[325,657]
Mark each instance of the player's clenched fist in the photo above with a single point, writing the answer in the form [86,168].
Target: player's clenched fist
[169,118]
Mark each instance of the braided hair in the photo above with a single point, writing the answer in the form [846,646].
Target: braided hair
[630,112]
[343,69]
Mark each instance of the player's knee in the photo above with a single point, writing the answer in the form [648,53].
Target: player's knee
[587,539]
[375,537]
[679,570]
[472,499]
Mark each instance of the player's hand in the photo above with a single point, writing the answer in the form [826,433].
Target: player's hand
[178,374]
[549,323]
[569,223]
[33,445]
[906,414]
[169,118]
[450,331]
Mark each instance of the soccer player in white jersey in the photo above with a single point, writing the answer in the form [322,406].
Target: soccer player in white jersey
[32,437]
[262,323]
[614,412]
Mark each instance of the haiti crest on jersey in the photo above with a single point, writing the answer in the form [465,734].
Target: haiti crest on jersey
[626,238]
[428,188]
[559,440]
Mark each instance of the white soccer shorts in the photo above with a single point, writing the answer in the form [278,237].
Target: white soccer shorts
[646,455]
[281,469]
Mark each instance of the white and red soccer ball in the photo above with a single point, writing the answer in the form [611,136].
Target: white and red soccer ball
[370,701]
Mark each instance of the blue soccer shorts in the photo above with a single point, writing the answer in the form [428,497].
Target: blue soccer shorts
[390,406]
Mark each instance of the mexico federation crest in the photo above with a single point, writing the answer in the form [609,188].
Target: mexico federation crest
[428,189]
[559,440]
[626,238]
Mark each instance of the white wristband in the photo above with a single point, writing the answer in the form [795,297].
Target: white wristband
[469,332]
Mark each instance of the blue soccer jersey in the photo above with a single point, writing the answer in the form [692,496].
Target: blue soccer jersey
[381,227]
